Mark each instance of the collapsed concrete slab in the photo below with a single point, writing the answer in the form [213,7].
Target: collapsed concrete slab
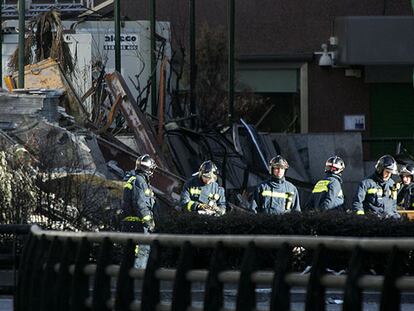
[27,106]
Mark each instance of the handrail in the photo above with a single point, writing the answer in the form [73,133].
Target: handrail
[262,241]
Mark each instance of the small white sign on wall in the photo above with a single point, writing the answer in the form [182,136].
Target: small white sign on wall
[354,122]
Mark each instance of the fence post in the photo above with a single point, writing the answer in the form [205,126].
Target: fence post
[25,269]
[49,277]
[181,299]
[352,292]
[64,279]
[390,294]
[213,296]
[246,296]
[39,259]
[315,291]
[151,285]
[125,284]
[102,282]
[280,299]
[80,283]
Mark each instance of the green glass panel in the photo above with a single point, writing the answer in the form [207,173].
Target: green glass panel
[269,81]
[392,115]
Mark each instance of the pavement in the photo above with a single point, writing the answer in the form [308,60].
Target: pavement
[333,302]
[298,297]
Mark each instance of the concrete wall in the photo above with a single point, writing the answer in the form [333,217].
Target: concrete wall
[307,154]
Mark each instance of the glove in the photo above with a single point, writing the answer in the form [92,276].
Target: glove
[203,206]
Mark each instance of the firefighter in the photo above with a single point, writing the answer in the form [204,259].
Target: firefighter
[202,193]
[138,204]
[327,193]
[377,194]
[276,195]
[405,197]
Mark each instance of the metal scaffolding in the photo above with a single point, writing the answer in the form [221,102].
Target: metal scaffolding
[10,10]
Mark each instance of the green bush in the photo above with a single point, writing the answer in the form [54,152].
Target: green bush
[306,224]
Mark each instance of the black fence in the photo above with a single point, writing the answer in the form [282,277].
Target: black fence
[11,241]
[58,271]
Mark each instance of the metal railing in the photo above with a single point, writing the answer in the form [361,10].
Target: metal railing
[10,239]
[57,273]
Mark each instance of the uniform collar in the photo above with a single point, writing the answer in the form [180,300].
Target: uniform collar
[277,180]
[140,173]
[378,179]
[330,174]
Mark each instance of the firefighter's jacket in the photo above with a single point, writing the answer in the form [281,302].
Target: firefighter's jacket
[275,196]
[195,192]
[375,196]
[327,194]
[138,199]
[405,197]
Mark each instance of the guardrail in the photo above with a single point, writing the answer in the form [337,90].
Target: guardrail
[57,273]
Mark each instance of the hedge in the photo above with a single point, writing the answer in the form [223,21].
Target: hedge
[320,224]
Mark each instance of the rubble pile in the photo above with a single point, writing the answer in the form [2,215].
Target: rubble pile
[79,167]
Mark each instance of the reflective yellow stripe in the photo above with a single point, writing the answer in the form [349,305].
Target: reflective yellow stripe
[148,192]
[147,218]
[372,190]
[268,193]
[195,191]
[214,196]
[132,218]
[135,218]
[360,213]
[321,186]
[189,205]
[129,183]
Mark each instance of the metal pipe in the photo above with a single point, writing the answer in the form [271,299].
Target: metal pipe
[117,47]
[154,107]
[193,69]
[22,12]
[231,9]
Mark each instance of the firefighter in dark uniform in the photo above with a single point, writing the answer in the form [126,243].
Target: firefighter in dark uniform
[377,194]
[327,193]
[138,204]
[138,199]
[202,193]
[276,195]
[405,197]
